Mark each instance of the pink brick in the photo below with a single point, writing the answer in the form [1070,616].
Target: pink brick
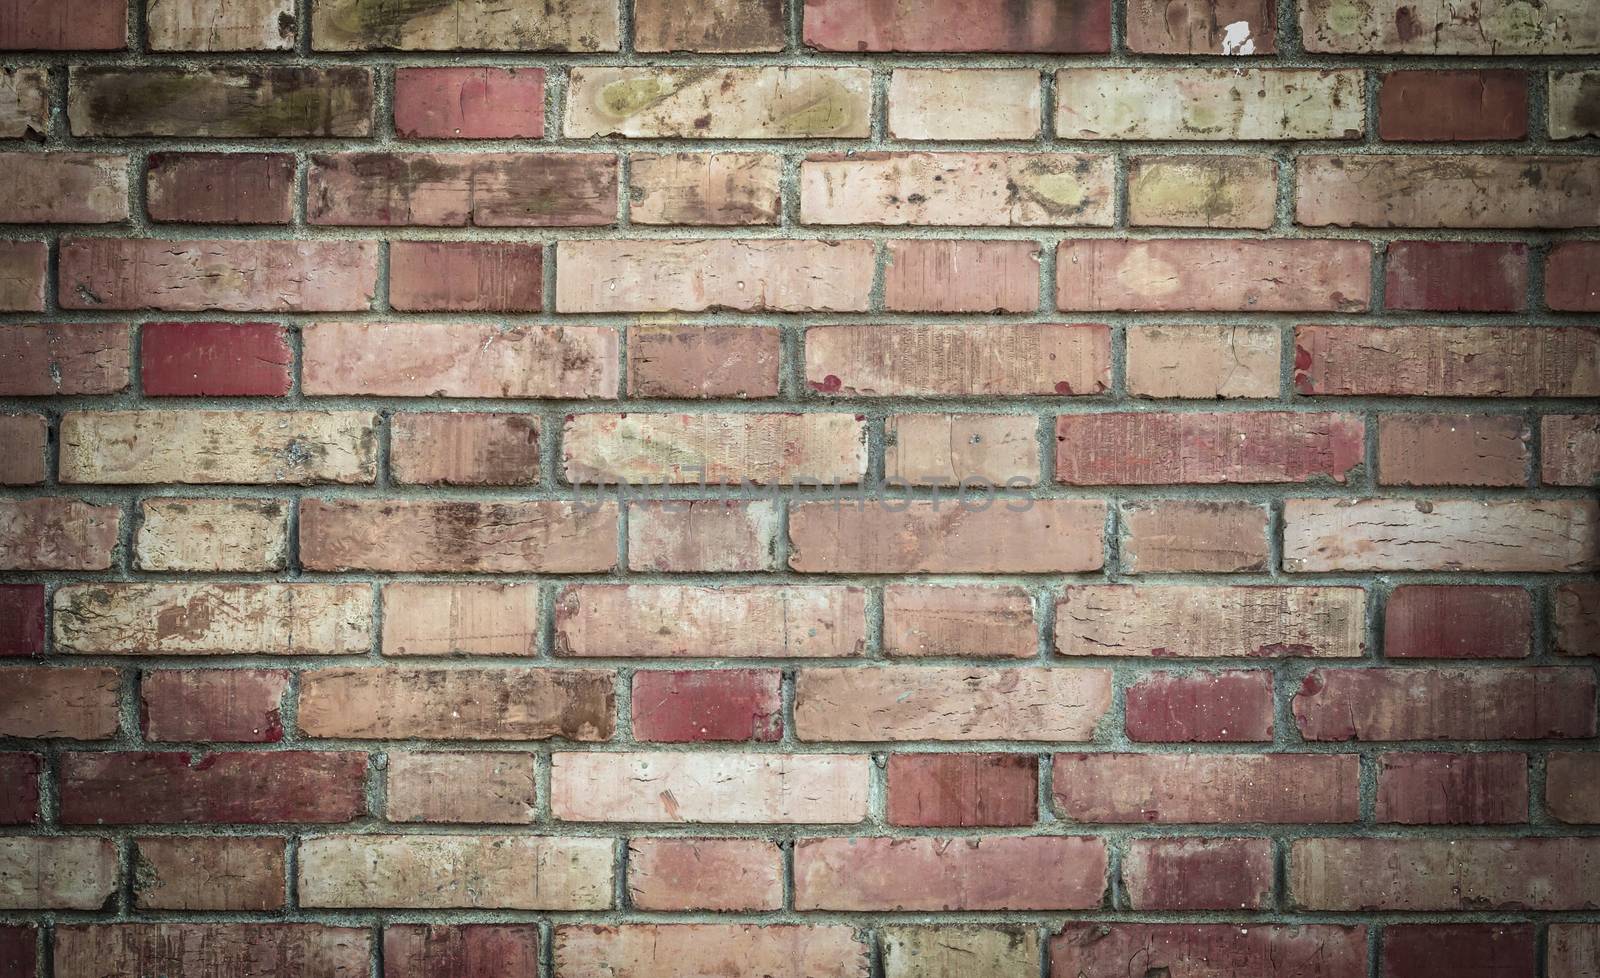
[1446,704]
[921,620]
[1417,788]
[703,361]
[469,103]
[1456,276]
[1198,874]
[707,705]
[1207,788]
[979,360]
[64,359]
[460,950]
[932,874]
[214,359]
[1211,950]
[232,276]
[1464,621]
[1201,707]
[1213,275]
[50,533]
[458,536]
[220,188]
[475,787]
[464,448]
[1260,446]
[962,276]
[705,874]
[1441,106]
[1042,26]
[465,276]
[695,535]
[79,25]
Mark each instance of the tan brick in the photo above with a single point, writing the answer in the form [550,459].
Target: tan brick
[696,276]
[25,436]
[959,952]
[1179,536]
[1151,448]
[1184,621]
[63,188]
[697,361]
[70,703]
[924,275]
[1209,103]
[448,871]
[1207,788]
[477,787]
[481,25]
[224,102]
[719,103]
[948,537]
[1206,274]
[942,874]
[1235,27]
[196,873]
[24,102]
[726,448]
[201,950]
[650,950]
[233,25]
[464,449]
[64,358]
[63,873]
[1454,874]
[958,189]
[701,535]
[53,533]
[457,536]
[460,619]
[709,188]
[1452,450]
[670,620]
[204,447]
[1448,191]
[713,25]
[214,619]
[458,704]
[232,276]
[709,787]
[212,535]
[1448,361]
[952,449]
[1571,448]
[705,874]
[22,275]
[463,190]
[985,360]
[1555,535]
[1203,192]
[925,620]
[942,103]
[1494,27]
[1203,362]
[949,703]
[1574,96]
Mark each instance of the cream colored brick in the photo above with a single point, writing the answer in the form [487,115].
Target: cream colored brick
[719,103]
[451,871]
[709,787]
[202,447]
[1209,104]
[715,448]
[212,535]
[214,619]
[943,103]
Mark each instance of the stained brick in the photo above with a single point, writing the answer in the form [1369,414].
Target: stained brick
[1446,704]
[950,952]
[464,449]
[24,103]
[63,188]
[1444,106]
[1236,27]
[712,26]
[209,447]
[1572,787]
[230,276]
[681,275]
[1573,949]
[465,276]
[1040,26]
[26,437]
[1203,362]
[1198,621]
[1209,104]
[1203,192]
[1207,788]
[469,103]
[479,787]
[752,788]
[973,536]
[70,703]
[1208,950]
[978,189]
[214,359]
[50,533]
[462,189]
[791,102]
[1213,275]
[925,620]
[1201,707]
[707,704]
[1450,874]
[460,950]
[59,873]
[933,873]
[963,790]
[1429,191]
[1571,449]
[715,448]
[704,361]
[22,275]
[467,619]
[1147,448]
[1463,621]
[458,536]
[1456,276]
[644,950]
[242,102]
[1452,789]
[703,188]
[236,25]
[1575,619]
[198,873]
[986,360]
[457,704]
[1198,874]
[213,619]
[200,950]
[972,450]
[64,359]
[472,25]
[426,872]
[227,705]
[705,874]
[220,188]
[668,620]
[1498,27]
[222,788]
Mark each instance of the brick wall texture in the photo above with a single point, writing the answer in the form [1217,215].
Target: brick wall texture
[799,488]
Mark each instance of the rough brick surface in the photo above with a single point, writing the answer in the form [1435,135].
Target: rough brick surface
[220,188]
[958,873]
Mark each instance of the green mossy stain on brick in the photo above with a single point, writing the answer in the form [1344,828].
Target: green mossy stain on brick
[381,22]
[623,98]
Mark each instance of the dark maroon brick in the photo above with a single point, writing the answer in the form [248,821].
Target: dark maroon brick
[707,704]
[1442,106]
[220,188]
[1446,704]
[21,619]
[1476,950]
[466,276]
[465,951]
[1096,950]
[47,25]
[19,953]
[1198,874]
[233,788]
[1572,277]
[1457,276]
[1204,706]
[1453,789]
[19,801]
[1470,621]
[214,359]
[963,789]
[227,705]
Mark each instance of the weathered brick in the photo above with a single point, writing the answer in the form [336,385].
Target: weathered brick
[704,188]
[712,26]
[1147,448]
[1462,621]
[791,102]
[466,448]
[1037,536]
[1572,277]
[1555,535]
[23,275]
[1040,26]
[944,103]
[1190,621]
[1446,704]
[1494,27]
[233,25]
[206,447]
[1417,950]
[458,536]
[231,276]
[254,788]
[1198,874]
[647,950]
[21,619]
[64,359]
[24,103]
[465,276]
[458,704]
[460,950]
[213,619]
[975,450]
[1452,874]
[1572,787]
[54,533]
[214,360]
[957,189]
[1209,104]
[668,620]
[1574,96]
[196,873]
[1575,619]
[86,25]
[705,874]
[971,620]
[1207,788]
[241,102]
[709,787]
[681,275]
[704,361]
[469,103]
[1203,362]
[949,703]
[1448,361]
[202,950]
[25,437]
[1192,536]
[20,806]
[477,787]
[467,619]
[1456,276]
[19,951]
[1233,706]
[700,535]
[1570,446]
[987,360]
[1417,788]
[1448,191]
[707,704]
[1452,450]
[61,873]
[1234,27]
[963,790]
[220,188]
[445,871]
[1207,274]
[952,952]
[962,276]
[470,25]
[715,448]
[1203,192]
[462,189]
[966,873]
[63,188]
[1573,950]
[227,705]
[1211,950]
[1442,106]
[76,704]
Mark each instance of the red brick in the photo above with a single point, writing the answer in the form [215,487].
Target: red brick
[24,464]
[704,188]
[20,805]
[1456,276]
[1194,621]
[705,874]
[462,189]
[1208,274]
[1427,950]
[1572,277]
[694,535]
[1147,448]
[988,360]
[1207,788]
[1573,950]
[63,188]
[458,704]
[651,950]
[707,704]
[49,533]
[22,275]
[962,790]
[672,621]
[926,275]
[1465,621]
[63,359]
[1198,874]
[21,619]
[1231,706]
[220,188]
[214,359]
[78,704]
[464,449]
[1442,106]
[684,275]
[1430,191]
[910,537]
[458,536]
[921,620]
[81,25]
[229,705]
[1042,26]
[206,950]
[1202,27]
[931,873]
[231,276]
[460,950]
[1575,619]
[472,786]
[712,25]
[1446,704]
[18,951]
[1570,444]
[1452,450]
[220,788]
[466,276]
[1453,874]
[1572,787]
[198,873]
[1453,789]
[1210,950]
[703,361]
[1199,536]
[469,103]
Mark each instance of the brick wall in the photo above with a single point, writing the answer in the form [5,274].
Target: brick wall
[336,651]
